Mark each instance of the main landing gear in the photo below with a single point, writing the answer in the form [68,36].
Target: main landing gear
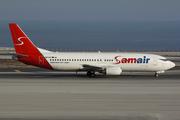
[91,74]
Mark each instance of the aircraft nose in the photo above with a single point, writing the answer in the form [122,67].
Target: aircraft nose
[171,64]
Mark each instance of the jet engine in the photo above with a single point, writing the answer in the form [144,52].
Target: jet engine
[113,70]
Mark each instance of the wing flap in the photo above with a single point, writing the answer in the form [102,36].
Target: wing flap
[91,67]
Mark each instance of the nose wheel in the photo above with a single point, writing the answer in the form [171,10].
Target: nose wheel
[91,74]
[156,74]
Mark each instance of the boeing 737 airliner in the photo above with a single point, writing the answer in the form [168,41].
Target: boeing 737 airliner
[106,63]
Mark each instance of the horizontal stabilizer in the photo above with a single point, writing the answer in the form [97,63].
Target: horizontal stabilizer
[15,55]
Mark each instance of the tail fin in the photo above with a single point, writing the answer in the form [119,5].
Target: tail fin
[22,43]
[24,47]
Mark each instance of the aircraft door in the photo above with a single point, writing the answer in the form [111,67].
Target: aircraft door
[155,62]
[41,60]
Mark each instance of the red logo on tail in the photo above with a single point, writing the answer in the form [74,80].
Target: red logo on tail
[21,42]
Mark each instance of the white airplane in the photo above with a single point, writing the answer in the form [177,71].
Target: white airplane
[106,63]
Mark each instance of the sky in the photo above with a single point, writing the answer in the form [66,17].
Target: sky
[90,10]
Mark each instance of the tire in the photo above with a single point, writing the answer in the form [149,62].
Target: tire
[156,75]
[93,75]
[89,73]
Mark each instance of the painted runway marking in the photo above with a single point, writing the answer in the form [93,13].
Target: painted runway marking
[17,70]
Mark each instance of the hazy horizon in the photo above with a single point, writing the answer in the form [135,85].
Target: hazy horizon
[91,35]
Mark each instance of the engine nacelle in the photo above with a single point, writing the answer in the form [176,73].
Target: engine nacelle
[113,70]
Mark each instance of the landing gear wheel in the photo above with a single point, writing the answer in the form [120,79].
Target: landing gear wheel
[91,74]
[156,75]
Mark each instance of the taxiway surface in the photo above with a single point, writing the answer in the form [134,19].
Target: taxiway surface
[54,95]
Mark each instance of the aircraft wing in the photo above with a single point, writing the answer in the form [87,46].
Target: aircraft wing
[91,67]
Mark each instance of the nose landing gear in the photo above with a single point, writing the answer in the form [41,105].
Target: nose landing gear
[157,72]
[156,75]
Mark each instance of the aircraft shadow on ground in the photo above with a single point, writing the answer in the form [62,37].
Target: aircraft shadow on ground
[84,76]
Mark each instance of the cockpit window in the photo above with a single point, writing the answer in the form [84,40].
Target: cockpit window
[164,59]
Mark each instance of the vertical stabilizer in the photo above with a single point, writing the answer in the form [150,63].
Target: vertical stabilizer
[24,47]
[22,43]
